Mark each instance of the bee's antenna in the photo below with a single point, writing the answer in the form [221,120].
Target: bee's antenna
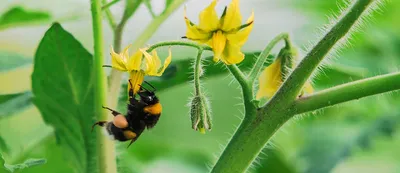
[107,66]
[141,86]
[154,89]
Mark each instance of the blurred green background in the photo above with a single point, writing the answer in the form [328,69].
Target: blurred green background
[360,136]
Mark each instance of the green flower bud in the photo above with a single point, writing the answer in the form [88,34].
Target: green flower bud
[200,113]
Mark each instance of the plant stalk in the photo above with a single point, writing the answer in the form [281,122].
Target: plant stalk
[295,82]
[107,163]
[259,125]
[347,92]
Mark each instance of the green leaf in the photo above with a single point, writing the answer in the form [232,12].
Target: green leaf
[9,61]
[26,164]
[3,146]
[18,16]
[273,162]
[13,103]
[324,150]
[63,92]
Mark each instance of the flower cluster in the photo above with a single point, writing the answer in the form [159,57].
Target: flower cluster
[225,35]
[137,67]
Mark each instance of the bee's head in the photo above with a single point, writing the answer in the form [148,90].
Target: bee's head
[147,96]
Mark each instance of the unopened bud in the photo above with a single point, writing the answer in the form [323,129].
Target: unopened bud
[200,114]
[288,56]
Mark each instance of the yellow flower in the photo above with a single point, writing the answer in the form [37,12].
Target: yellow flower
[272,78]
[226,35]
[136,67]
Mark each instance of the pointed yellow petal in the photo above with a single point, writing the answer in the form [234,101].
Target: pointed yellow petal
[218,44]
[135,61]
[125,53]
[208,18]
[166,63]
[195,33]
[117,61]
[232,54]
[136,78]
[270,80]
[156,59]
[150,68]
[232,18]
[240,37]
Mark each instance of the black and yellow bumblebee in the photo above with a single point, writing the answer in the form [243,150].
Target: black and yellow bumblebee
[142,113]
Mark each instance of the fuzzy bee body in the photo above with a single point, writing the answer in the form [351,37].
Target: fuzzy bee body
[142,114]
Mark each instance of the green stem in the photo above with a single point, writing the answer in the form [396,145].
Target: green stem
[228,162]
[178,43]
[294,83]
[105,147]
[197,72]
[347,92]
[259,125]
[109,16]
[255,72]
[107,5]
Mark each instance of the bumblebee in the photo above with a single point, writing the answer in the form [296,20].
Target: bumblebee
[142,113]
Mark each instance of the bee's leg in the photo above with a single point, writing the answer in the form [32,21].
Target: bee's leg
[114,112]
[100,123]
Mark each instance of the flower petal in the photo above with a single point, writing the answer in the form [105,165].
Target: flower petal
[218,44]
[117,61]
[195,33]
[135,61]
[150,68]
[156,59]
[270,80]
[232,54]
[208,18]
[166,64]
[240,37]
[232,18]
[136,78]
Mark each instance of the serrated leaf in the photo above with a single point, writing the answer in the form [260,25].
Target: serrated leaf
[9,61]
[26,164]
[63,92]
[18,16]
[13,103]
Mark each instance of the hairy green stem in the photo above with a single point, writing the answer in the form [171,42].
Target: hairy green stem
[347,92]
[259,125]
[294,83]
[228,161]
[256,70]
[197,72]
[179,43]
[105,147]
[107,5]
[109,16]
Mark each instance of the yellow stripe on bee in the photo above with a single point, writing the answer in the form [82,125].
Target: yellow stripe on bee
[153,109]
[129,134]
